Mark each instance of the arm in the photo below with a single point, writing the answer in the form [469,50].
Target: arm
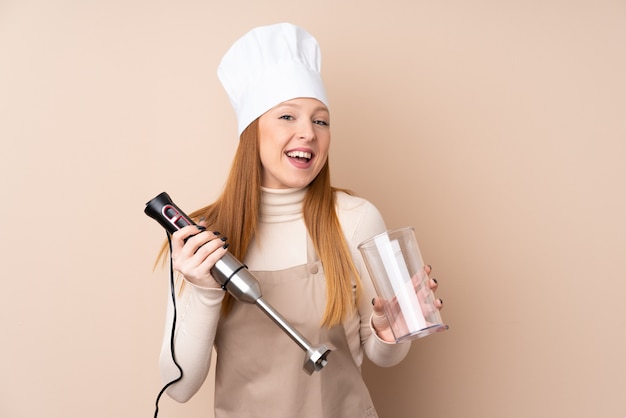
[377,338]
[197,318]
[194,252]
[360,221]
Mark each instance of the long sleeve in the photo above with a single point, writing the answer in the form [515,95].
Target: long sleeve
[198,312]
[360,221]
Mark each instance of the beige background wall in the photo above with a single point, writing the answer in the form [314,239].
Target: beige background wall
[495,128]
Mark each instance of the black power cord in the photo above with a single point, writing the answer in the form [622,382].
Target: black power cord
[173,290]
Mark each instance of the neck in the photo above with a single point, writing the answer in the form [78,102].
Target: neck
[281,205]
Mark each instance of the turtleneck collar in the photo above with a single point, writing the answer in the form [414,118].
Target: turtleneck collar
[281,205]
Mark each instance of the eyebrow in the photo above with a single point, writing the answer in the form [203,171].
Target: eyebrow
[318,108]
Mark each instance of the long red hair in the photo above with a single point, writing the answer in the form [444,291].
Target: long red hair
[236,212]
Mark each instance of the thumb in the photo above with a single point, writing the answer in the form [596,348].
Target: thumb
[378,306]
[379,320]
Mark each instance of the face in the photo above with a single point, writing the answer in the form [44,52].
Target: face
[294,138]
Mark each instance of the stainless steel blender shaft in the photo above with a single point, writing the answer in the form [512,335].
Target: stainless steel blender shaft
[239,282]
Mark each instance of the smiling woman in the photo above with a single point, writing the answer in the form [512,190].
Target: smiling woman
[294,142]
[297,234]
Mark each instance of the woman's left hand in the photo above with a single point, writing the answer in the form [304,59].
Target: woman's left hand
[379,320]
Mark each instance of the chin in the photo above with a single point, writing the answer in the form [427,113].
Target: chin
[298,185]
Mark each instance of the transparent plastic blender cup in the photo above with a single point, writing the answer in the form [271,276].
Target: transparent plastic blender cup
[395,264]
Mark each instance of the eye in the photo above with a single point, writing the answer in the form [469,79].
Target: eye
[321,122]
[286,117]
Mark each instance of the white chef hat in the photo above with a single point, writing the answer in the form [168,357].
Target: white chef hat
[270,65]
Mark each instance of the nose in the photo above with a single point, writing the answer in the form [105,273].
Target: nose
[306,131]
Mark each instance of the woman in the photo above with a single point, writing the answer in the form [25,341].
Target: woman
[297,235]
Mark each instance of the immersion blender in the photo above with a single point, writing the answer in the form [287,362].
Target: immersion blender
[235,278]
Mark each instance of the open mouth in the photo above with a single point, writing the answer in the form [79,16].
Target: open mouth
[302,156]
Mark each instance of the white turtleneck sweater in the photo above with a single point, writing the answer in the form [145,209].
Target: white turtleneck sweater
[281,243]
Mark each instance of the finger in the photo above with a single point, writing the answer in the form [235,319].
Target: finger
[378,306]
[433,284]
[209,254]
[439,304]
[428,268]
[180,237]
[209,247]
[197,245]
[379,320]
[195,239]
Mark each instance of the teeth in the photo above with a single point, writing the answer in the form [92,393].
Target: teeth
[299,154]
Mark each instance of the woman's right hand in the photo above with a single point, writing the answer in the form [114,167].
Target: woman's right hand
[195,257]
